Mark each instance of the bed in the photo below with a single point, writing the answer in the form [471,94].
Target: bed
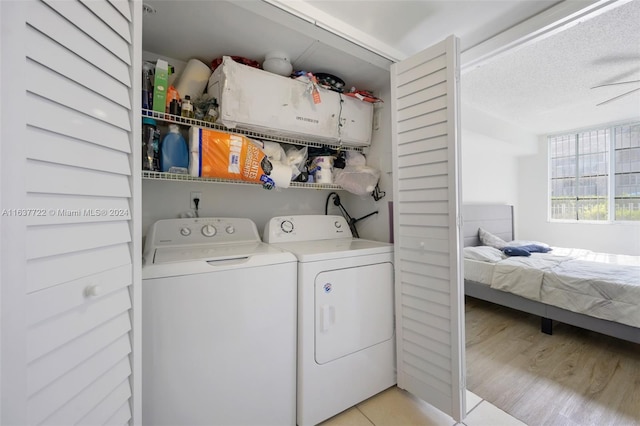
[595,291]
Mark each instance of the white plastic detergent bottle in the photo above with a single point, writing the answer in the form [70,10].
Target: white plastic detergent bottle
[174,156]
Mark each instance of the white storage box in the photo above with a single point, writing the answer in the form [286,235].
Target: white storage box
[268,103]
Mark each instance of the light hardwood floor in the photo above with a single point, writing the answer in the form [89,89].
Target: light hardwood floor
[573,377]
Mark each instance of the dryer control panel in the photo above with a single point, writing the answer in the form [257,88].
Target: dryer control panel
[306,228]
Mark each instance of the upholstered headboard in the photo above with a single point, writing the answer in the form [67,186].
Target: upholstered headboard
[495,218]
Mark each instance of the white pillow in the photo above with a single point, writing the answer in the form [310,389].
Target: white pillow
[488,239]
[483,253]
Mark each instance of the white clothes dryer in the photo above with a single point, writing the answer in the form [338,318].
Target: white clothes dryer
[346,337]
[218,325]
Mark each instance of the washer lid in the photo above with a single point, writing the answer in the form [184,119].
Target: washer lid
[311,251]
[208,252]
[176,261]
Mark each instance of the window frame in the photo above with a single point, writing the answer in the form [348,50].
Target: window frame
[610,176]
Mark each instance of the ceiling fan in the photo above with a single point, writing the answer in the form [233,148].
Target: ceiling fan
[618,96]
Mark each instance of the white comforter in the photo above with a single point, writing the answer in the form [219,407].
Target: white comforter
[601,285]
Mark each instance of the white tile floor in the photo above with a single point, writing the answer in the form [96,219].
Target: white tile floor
[396,407]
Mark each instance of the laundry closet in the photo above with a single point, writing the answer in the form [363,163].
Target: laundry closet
[207,32]
[72,321]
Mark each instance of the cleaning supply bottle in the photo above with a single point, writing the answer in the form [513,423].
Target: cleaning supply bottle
[187,107]
[150,145]
[174,152]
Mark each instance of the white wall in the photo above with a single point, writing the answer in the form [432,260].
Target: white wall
[532,208]
[490,151]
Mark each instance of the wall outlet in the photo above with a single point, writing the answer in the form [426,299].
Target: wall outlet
[194,195]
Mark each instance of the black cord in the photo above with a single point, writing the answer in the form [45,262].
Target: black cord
[350,221]
[196,201]
[326,204]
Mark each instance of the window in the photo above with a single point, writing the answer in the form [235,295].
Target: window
[595,174]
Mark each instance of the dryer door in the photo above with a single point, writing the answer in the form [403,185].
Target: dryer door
[353,310]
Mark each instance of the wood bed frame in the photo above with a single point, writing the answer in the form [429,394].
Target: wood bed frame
[498,219]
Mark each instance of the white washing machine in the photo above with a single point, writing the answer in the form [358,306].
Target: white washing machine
[218,325]
[346,338]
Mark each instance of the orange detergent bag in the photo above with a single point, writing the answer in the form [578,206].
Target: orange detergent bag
[227,156]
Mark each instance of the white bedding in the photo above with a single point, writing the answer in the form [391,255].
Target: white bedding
[601,285]
[478,271]
[602,290]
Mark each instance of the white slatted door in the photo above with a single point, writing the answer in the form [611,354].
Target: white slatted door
[77,252]
[429,289]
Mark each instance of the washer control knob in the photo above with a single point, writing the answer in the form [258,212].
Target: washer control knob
[287,226]
[209,230]
[230,229]
[185,232]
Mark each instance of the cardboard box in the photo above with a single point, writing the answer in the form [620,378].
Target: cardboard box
[160,86]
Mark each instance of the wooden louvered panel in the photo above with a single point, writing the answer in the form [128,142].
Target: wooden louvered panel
[430,182]
[55,148]
[49,271]
[427,207]
[418,219]
[65,121]
[435,117]
[421,158]
[430,309]
[65,209]
[414,242]
[424,269]
[421,109]
[435,77]
[65,92]
[56,240]
[121,416]
[415,335]
[45,337]
[48,303]
[113,403]
[413,139]
[418,321]
[436,194]
[110,16]
[72,70]
[416,145]
[418,280]
[421,292]
[66,388]
[76,13]
[44,370]
[426,256]
[75,180]
[82,404]
[123,7]
[434,168]
[424,95]
[428,372]
[46,20]
[428,283]
[50,54]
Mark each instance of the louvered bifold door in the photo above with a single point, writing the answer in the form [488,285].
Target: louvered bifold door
[429,293]
[77,185]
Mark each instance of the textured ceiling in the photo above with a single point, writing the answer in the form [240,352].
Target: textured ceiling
[547,87]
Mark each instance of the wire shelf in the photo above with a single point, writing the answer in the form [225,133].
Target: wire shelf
[176,119]
[188,178]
